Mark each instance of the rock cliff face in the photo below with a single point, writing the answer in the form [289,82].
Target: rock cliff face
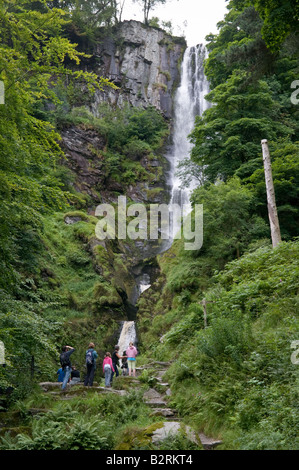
[144,63]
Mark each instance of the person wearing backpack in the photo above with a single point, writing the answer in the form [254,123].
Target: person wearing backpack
[90,359]
[66,364]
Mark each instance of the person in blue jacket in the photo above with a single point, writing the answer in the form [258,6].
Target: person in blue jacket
[66,364]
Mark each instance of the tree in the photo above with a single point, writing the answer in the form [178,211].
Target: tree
[285,169]
[280,20]
[229,221]
[119,9]
[239,44]
[227,137]
[86,17]
[149,5]
[272,209]
[33,54]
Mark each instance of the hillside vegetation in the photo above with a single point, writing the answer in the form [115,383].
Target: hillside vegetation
[235,377]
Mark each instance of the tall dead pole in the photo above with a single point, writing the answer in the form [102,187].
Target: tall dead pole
[272,209]
[204,303]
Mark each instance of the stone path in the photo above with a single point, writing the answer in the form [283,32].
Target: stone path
[172,424]
[156,397]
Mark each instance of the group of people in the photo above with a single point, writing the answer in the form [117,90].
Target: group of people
[69,374]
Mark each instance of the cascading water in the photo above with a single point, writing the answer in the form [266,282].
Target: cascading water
[128,334]
[144,283]
[189,102]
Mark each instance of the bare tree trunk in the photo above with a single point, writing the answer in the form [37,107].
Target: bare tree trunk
[272,210]
[121,9]
[146,11]
[32,367]
[204,303]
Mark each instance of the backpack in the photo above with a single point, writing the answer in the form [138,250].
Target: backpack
[89,357]
[64,360]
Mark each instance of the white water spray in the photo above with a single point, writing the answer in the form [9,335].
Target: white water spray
[189,102]
[128,334]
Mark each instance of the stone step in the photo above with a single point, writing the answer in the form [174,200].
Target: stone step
[172,428]
[208,443]
[156,402]
[166,412]
[150,365]
[37,411]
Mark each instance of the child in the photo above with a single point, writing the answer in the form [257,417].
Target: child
[125,366]
[108,368]
[131,355]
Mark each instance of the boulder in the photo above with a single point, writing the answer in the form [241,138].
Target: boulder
[171,428]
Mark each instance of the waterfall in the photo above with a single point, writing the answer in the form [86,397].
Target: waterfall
[144,283]
[128,334]
[189,102]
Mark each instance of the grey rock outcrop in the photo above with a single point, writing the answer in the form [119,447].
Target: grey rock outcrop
[144,63]
[171,428]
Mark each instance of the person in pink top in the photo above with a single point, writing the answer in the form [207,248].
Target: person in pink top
[131,353]
[108,369]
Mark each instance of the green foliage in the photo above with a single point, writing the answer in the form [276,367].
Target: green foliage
[235,377]
[88,17]
[238,45]
[33,184]
[229,220]
[179,441]
[131,135]
[227,138]
[251,65]
[285,164]
[64,430]
[29,152]
[87,422]
[229,226]
[280,20]
[147,377]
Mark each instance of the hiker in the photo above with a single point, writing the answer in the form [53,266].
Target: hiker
[108,369]
[131,353]
[60,375]
[75,376]
[115,358]
[66,364]
[124,365]
[90,356]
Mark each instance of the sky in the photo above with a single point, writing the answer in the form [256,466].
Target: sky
[193,19]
